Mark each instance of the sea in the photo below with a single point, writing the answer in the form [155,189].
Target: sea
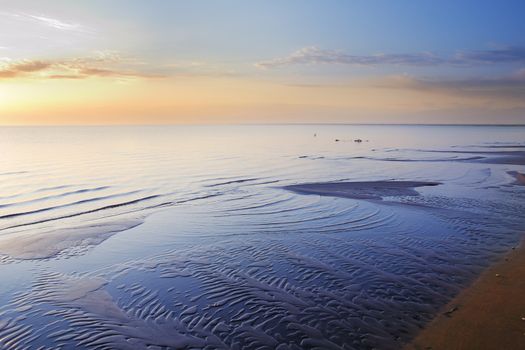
[188,237]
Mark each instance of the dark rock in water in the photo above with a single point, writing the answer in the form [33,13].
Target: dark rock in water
[358,140]
[336,140]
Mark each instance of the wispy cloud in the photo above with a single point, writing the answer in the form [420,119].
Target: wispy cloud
[15,69]
[314,55]
[199,69]
[511,54]
[107,64]
[57,24]
[47,21]
[505,91]
[104,65]
[506,86]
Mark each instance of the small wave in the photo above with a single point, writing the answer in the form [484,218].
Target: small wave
[232,182]
[107,207]
[84,201]
[447,159]
[14,173]
[55,196]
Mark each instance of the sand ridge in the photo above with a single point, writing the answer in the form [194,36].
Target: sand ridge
[361,189]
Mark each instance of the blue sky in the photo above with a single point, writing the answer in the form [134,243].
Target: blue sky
[467,46]
[251,29]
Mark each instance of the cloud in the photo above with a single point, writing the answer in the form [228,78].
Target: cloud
[505,86]
[57,24]
[16,69]
[48,22]
[314,55]
[101,72]
[512,54]
[189,69]
[103,65]
[519,74]
[31,66]
[65,76]
[505,91]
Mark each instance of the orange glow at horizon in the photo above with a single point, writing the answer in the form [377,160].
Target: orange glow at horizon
[266,62]
[218,100]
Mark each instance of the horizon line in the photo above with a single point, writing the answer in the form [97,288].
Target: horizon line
[256,124]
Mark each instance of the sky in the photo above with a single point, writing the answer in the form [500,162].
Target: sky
[261,61]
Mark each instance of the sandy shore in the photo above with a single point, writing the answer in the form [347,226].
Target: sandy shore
[490,314]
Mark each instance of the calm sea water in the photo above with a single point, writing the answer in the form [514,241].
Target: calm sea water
[182,236]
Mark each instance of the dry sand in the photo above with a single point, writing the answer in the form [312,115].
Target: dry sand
[490,314]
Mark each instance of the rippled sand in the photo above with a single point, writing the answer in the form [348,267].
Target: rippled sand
[246,237]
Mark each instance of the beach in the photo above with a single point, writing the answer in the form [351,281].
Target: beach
[262,175]
[489,314]
[254,237]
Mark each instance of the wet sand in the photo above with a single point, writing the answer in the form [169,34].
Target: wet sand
[361,189]
[490,314]
[520,178]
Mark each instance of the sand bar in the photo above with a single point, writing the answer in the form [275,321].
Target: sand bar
[361,189]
